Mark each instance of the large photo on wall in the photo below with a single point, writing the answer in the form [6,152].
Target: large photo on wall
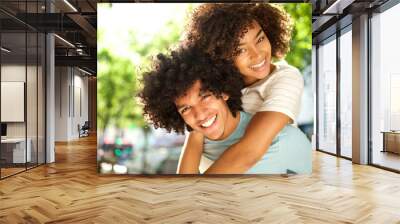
[214,88]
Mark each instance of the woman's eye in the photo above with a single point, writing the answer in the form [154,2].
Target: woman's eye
[261,39]
[241,51]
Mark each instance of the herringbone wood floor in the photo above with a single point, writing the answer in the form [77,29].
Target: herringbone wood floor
[70,191]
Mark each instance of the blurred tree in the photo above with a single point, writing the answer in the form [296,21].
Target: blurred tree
[167,38]
[301,45]
[118,78]
[117,85]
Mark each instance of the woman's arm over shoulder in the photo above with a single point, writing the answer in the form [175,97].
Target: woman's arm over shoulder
[191,154]
[261,131]
[281,103]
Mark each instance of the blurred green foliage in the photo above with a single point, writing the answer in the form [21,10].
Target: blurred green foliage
[301,45]
[118,79]
[117,84]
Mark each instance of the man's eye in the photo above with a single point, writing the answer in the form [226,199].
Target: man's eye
[184,110]
[205,96]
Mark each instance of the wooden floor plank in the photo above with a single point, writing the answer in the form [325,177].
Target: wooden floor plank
[71,191]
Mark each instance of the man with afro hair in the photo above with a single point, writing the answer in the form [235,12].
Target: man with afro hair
[187,90]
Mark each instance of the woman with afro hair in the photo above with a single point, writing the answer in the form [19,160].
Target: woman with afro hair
[250,37]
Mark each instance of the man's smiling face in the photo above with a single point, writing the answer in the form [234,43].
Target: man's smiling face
[206,113]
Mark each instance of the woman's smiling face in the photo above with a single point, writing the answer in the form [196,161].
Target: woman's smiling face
[254,55]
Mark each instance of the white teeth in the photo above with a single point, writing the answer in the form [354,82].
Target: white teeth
[209,122]
[258,65]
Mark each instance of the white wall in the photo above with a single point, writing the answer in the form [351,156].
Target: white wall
[33,126]
[12,73]
[71,93]
[80,109]
[62,81]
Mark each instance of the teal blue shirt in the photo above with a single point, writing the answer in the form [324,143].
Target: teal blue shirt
[290,150]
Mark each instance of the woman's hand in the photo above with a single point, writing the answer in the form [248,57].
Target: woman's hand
[192,150]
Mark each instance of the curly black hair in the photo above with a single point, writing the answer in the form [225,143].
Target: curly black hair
[217,28]
[175,73]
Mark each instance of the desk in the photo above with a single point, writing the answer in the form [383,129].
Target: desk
[16,147]
[391,141]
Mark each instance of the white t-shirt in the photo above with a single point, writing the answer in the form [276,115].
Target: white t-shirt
[280,91]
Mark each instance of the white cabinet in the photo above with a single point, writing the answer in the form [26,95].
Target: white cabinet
[18,149]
